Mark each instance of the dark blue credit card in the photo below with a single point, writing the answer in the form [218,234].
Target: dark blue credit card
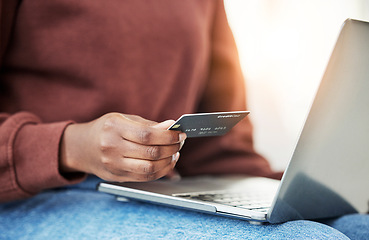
[208,124]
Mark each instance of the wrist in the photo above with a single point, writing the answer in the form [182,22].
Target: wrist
[67,156]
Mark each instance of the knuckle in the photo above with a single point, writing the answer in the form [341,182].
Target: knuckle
[106,162]
[110,120]
[145,136]
[150,177]
[154,152]
[174,138]
[105,145]
[149,168]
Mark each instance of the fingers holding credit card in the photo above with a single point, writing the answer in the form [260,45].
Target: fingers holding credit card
[208,124]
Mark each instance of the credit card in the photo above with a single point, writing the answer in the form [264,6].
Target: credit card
[208,124]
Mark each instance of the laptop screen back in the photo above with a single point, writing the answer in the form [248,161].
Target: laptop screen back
[329,172]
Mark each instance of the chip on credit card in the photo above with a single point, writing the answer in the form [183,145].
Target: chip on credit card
[208,124]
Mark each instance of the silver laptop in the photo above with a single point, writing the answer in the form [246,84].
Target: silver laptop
[328,175]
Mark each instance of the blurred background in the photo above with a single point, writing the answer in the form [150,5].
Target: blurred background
[284,47]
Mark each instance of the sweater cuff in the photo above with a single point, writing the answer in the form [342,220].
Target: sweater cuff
[36,157]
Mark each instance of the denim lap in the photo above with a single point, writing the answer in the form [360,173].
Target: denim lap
[80,212]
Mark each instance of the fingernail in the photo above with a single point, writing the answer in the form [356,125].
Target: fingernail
[175,156]
[181,144]
[182,136]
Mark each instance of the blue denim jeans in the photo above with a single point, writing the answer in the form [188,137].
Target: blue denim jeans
[80,212]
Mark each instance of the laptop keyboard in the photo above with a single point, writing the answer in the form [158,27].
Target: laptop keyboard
[257,201]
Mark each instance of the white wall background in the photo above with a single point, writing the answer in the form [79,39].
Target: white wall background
[284,46]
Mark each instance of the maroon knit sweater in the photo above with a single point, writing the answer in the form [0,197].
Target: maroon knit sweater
[76,60]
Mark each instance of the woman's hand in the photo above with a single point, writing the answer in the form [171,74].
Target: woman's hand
[118,147]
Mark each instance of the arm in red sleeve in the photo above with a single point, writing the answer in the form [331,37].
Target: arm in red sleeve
[225,91]
[29,156]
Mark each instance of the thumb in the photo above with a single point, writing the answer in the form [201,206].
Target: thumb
[164,125]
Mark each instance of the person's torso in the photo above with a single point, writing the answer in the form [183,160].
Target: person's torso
[80,59]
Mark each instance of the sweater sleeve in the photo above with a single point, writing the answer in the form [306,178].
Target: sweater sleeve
[29,156]
[225,91]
